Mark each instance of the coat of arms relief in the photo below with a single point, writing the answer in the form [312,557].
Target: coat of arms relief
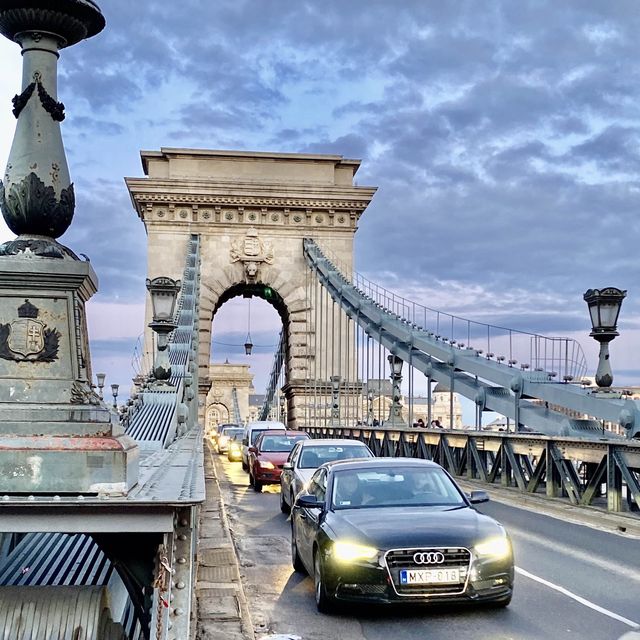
[252,252]
[27,339]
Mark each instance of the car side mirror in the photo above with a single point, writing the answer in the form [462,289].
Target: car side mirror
[287,466]
[476,497]
[307,501]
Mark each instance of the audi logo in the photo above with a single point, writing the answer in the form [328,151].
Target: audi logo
[428,557]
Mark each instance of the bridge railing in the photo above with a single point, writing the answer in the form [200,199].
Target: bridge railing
[237,417]
[274,378]
[535,398]
[584,472]
[155,416]
[562,357]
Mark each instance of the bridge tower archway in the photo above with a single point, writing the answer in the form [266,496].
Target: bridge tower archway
[252,211]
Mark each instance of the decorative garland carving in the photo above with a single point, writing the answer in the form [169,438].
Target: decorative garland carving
[20,101]
[53,108]
[82,394]
[31,207]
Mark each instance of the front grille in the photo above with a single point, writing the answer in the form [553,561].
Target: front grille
[454,558]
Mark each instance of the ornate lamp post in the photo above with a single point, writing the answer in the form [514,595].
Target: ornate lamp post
[370,415]
[114,393]
[335,399]
[604,308]
[282,409]
[101,378]
[48,329]
[395,411]
[164,293]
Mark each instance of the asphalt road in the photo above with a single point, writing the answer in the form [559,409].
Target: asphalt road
[572,581]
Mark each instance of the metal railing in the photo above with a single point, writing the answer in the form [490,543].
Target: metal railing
[536,397]
[584,472]
[274,378]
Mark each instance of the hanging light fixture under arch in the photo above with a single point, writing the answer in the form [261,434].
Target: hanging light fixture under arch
[248,345]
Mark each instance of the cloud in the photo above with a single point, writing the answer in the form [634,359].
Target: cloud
[504,142]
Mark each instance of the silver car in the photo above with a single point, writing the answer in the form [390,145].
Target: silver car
[306,456]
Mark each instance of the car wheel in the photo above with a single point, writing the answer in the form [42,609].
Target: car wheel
[324,602]
[284,507]
[257,486]
[296,561]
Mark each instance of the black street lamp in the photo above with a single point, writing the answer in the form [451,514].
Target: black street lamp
[282,409]
[164,293]
[395,411]
[604,308]
[101,378]
[114,392]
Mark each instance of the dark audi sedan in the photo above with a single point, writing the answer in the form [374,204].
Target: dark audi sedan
[398,530]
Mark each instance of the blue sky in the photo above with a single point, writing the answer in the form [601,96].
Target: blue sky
[503,138]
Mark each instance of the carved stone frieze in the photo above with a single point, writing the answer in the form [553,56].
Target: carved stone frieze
[252,252]
[31,207]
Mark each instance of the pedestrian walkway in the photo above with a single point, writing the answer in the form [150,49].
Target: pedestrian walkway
[222,609]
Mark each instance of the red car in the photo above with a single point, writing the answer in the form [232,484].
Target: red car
[268,454]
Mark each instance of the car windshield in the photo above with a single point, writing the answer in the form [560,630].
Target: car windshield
[256,432]
[394,486]
[232,432]
[315,455]
[280,443]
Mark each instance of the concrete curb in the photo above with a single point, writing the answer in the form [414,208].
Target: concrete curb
[218,618]
[623,524]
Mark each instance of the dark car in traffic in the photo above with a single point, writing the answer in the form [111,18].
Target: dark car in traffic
[268,455]
[398,530]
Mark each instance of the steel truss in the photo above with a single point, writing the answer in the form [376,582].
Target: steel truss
[575,469]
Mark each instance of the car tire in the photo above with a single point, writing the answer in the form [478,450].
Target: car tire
[296,560]
[324,602]
[284,507]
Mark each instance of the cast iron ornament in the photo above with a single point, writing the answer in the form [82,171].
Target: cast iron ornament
[30,207]
[53,108]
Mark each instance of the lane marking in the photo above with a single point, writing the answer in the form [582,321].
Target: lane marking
[611,567]
[577,598]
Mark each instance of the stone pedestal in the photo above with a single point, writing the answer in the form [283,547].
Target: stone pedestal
[56,435]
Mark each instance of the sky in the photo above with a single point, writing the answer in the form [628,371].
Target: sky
[503,138]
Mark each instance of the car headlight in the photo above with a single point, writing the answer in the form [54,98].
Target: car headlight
[350,551]
[498,547]
[234,446]
[266,465]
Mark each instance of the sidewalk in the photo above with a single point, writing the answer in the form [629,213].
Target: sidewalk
[222,609]
[626,524]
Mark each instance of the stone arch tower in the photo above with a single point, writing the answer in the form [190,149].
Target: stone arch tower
[251,211]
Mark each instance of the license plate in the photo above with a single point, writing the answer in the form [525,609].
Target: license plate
[429,576]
